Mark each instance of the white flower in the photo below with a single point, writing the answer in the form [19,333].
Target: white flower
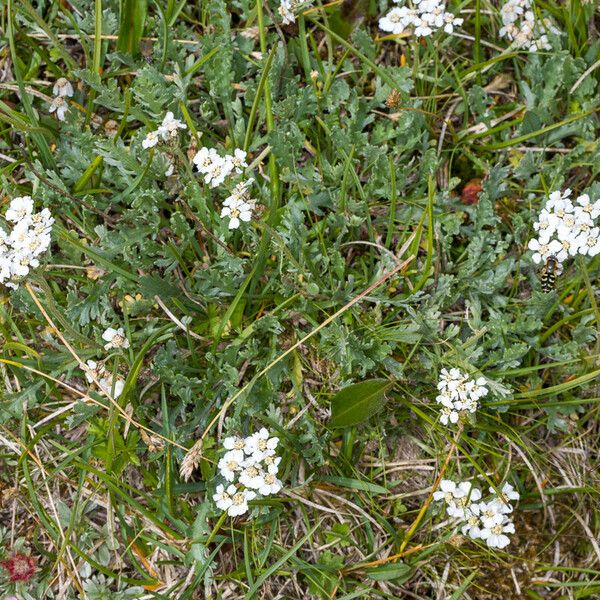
[106,385]
[472,527]
[62,88]
[495,534]
[115,338]
[19,208]
[223,497]
[491,513]
[234,442]
[94,371]
[259,444]
[393,22]
[237,210]
[591,209]
[204,158]
[269,484]
[272,463]
[239,160]
[252,476]
[231,463]
[60,106]
[239,502]
[219,169]
[449,491]
[448,415]
[589,243]
[286,13]
[507,494]
[152,138]
[169,126]
[541,251]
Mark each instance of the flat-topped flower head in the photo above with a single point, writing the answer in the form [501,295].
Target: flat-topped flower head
[237,211]
[115,338]
[63,88]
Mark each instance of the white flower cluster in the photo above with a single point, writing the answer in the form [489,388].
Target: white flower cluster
[105,379]
[522,28]
[423,17]
[250,467]
[62,90]
[287,8]
[29,237]
[566,228]
[487,521]
[459,394]
[216,170]
[167,131]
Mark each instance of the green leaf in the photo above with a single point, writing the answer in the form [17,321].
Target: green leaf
[355,484]
[392,572]
[131,26]
[358,402]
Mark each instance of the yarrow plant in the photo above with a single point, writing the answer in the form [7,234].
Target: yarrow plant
[250,468]
[27,241]
[287,8]
[217,170]
[424,17]
[521,27]
[459,394]
[566,228]
[485,520]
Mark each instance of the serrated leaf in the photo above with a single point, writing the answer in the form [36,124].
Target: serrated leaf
[358,402]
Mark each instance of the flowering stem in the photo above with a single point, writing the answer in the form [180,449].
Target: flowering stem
[435,486]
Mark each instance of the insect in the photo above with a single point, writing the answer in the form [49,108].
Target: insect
[548,274]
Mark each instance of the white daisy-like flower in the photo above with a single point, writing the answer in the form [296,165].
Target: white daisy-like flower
[170,126]
[251,475]
[237,211]
[234,442]
[231,463]
[63,88]
[449,491]
[393,22]
[269,484]
[19,209]
[260,444]
[472,526]
[60,106]
[238,160]
[106,385]
[115,338]
[239,502]
[495,535]
[223,498]
[152,138]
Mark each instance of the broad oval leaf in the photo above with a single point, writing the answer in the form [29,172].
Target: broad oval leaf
[358,402]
